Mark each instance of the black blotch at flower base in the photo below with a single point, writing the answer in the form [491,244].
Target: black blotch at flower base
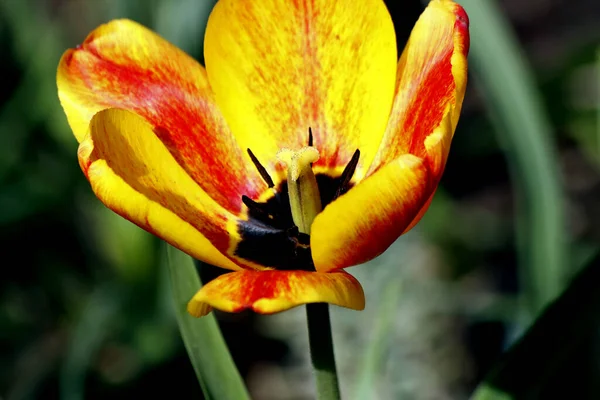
[270,237]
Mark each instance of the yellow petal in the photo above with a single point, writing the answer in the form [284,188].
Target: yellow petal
[280,67]
[268,292]
[132,173]
[124,65]
[364,222]
[432,76]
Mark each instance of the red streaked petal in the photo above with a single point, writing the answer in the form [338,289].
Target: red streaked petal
[132,172]
[268,292]
[431,81]
[124,65]
[364,222]
[280,67]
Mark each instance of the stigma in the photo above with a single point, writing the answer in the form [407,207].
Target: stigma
[303,190]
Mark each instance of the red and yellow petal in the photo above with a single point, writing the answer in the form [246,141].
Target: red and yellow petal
[431,81]
[124,65]
[133,173]
[280,67]
[268,292]
[364,222]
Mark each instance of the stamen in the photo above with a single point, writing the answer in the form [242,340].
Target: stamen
[254,206]
[347,174]
[310,137]
[261,170]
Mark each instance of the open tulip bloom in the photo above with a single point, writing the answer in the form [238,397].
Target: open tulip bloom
[302,148]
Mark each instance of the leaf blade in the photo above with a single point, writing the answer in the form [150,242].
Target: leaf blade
[208,352]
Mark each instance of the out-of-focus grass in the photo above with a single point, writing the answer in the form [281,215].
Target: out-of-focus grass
[539,365]
[87,338]
[597,91]
[374,353]
[500,67]
[96,303]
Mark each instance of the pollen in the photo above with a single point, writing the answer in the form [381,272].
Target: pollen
[298,162]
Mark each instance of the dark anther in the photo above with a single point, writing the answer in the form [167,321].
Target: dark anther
[261,170]
[347,174]
[292,231]
[301,239]
[252,205]
[310,137]
[258,209]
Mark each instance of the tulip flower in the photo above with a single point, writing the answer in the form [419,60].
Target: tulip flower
[302,148]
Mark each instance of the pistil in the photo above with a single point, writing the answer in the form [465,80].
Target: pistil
[305,200]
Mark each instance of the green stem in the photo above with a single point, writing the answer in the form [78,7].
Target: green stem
[321,351]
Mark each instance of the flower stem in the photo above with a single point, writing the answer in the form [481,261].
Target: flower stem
[321,351]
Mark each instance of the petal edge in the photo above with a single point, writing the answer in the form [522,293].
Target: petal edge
[329,65]
[431,83]
[133,174]
[365,221]
[122,64]
[268,292]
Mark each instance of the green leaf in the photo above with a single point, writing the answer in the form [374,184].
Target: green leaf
[558,356]
[214,367]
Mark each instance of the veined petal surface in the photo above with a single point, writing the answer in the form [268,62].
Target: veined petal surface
[280,67]
[123,65]
[364,222]
[133,173]
[268,292]
[431,81]
[401,182]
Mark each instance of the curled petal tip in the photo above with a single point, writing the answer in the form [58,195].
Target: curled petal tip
[461,16]
[198,310]
[462,25]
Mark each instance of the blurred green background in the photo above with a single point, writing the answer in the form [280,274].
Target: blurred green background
[85,305]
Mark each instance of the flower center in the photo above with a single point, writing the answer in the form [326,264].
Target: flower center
[276,233]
